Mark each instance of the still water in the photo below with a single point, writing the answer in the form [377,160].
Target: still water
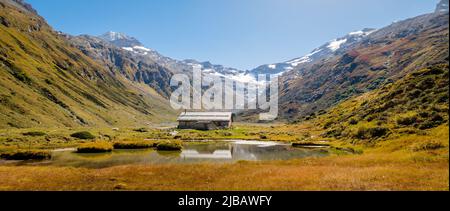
[215,152]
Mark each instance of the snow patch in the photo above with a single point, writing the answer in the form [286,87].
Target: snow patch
[298,61]
[336,44]
[127,48]
[141,48]
[362,33]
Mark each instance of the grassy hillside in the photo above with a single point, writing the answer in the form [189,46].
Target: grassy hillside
[44,81]
[411,106]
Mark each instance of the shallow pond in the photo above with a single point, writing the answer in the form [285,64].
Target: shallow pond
[215,152]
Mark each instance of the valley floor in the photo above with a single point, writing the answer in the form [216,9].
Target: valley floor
[364,172]
[395,164]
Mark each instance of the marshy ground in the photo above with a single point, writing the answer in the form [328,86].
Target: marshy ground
[397,162]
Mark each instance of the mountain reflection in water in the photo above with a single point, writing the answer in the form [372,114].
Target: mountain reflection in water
[212,152]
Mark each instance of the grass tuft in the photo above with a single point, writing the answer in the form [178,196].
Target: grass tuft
[169,146]
[134,144]
[95,147]
[26,155]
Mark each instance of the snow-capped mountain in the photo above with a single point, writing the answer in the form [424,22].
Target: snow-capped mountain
[133,46]
[442,6]
[327,50]
[120,40]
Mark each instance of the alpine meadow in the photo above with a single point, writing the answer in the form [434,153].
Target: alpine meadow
[365,111]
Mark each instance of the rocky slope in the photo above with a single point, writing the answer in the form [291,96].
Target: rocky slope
[385,55]
[135,65]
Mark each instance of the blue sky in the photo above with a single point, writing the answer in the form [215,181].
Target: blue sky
[235,33]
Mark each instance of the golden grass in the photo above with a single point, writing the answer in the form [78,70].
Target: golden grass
[135,144]
[366,172]
[95,147]
[400,162]
[169,146]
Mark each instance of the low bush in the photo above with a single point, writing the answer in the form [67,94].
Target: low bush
[406,121]
[334,133]
[95,147]
[134,145]
[263,136]
[83,135]
[433,122]
[353,121]
[432,145]
[26,155]
[34,133]
[369,133]
[328,124]
[169,146]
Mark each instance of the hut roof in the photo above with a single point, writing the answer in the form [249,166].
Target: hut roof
[205,116]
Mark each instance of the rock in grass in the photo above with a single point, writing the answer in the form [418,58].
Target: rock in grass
[95,147]
[27,155]
[83,135]
[169,146]
[134,144]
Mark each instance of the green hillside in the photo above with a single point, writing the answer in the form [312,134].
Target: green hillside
[44,81]
[412,105]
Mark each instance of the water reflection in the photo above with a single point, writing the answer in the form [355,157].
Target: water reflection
[216,152]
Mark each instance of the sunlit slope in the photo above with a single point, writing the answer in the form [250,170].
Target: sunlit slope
[414,104]
[387,54]
[45,82]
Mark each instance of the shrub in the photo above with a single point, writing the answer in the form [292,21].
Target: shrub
[34,133]
[414,93]
[328,124]
[353,121]
[95,147]
[428,83]
[26,155]
[424,114]
[83,135]
[435,121]
[134,145]
[263,136]
[334,133]
[169,146]
[437,118]
[406,121]
[368,133]
[433,145]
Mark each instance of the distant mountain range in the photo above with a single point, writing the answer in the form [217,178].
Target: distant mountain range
[325,51]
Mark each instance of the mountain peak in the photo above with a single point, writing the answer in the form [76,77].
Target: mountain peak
[120,39]
[112,36]
[442,6]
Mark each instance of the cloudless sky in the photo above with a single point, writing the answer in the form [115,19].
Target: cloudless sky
[236,33]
